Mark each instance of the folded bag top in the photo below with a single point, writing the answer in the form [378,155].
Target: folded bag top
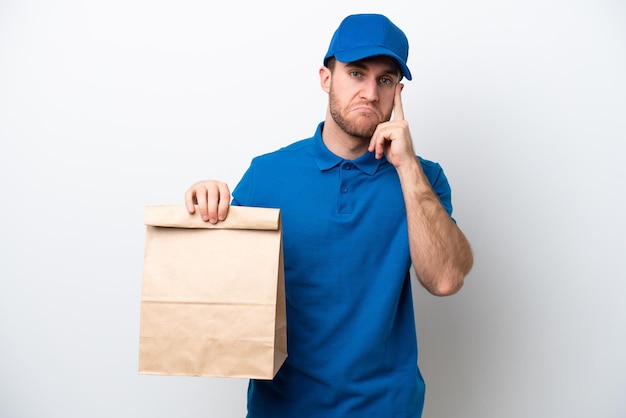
[239,217]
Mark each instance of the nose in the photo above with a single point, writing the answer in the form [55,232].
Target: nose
[369,90]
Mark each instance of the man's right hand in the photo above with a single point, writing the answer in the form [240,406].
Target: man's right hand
[212,198]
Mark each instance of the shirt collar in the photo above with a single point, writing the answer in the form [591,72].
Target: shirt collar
[326,160]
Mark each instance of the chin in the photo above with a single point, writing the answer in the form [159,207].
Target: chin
[365,129]
[362,133]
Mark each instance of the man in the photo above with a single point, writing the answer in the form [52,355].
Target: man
[358,209]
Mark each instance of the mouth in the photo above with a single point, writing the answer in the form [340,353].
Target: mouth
[365,110]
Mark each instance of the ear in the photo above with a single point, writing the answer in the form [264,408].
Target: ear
[325,77]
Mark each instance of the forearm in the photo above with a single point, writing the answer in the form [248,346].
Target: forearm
[440,253]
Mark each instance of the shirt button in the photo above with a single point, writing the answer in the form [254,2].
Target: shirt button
[344,190]
[347,166]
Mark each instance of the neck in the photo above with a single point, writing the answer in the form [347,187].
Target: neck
[342,144]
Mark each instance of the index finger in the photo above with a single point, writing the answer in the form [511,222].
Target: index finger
[398,112]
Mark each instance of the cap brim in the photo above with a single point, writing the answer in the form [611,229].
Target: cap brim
[357,54]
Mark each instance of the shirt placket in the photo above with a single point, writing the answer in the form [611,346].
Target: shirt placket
[347,182]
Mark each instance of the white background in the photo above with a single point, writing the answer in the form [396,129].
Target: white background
[108,106]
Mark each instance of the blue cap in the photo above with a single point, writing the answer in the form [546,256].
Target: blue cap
[367,35]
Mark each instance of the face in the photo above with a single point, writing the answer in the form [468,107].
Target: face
[361,94]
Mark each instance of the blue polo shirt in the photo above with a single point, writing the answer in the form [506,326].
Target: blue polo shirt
[352,348]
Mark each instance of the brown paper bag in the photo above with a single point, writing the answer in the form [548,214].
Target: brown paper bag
[212,298]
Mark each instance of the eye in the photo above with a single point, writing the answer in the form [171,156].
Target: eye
[355,73]
[385,80]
